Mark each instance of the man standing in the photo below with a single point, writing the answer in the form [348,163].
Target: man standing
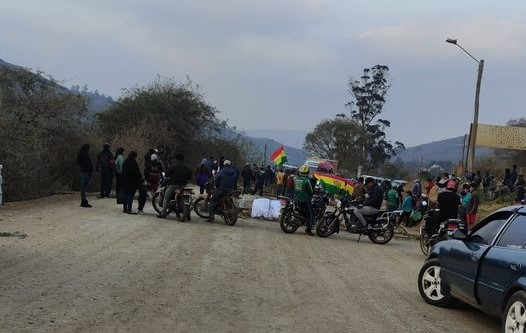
[86,170]
[106,166]
[226,181]
[279,182]
[178,176]
[246,173]
[373,203]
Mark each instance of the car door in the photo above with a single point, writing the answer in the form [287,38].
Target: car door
[503,264]
[464,256]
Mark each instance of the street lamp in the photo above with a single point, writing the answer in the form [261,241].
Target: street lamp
[474,126]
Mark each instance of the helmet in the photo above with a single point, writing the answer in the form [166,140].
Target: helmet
[303,170]
[227,162]
[154,157]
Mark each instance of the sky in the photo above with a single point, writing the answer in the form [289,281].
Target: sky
[278,66]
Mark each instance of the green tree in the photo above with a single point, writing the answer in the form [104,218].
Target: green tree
[40,131]
[369,96]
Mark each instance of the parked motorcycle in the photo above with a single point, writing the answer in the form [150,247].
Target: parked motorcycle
[291,216]
[379,230]
[180,203]
[226,207]
[445,230]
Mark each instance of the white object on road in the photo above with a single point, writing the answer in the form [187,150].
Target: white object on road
[266,208]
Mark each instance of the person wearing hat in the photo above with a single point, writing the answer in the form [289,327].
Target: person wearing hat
[226,181]
[153,171]
[373,202]
[106,166]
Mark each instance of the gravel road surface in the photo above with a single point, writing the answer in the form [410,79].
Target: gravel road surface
[99,270]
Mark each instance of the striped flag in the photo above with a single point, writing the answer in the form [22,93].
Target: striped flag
[334,184]
[279,157]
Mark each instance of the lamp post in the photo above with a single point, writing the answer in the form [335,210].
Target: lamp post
[474,126]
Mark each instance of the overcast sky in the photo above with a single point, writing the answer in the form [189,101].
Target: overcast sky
[285,64]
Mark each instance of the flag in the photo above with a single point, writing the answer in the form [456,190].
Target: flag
[279,157]
[334,184]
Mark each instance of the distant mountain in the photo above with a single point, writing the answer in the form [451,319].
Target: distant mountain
[292,138]
[295,156]
[443,150]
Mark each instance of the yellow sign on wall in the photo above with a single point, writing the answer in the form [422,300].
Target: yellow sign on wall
[504,137]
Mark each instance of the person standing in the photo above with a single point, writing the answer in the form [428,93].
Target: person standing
[152,172]
[201,176]
[302,196]
[178,176]
[132,178]
[260,181]
[106,166]
[246,173]
[433,193]
[472,206]
[392,199]
[119,159]
[86,170]
[407,207]
[279,182]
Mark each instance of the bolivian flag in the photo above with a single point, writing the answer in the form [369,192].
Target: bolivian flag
[334,184]
[279,157]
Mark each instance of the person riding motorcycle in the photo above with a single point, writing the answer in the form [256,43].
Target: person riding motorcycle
[303,194]
[372,203]
[178,176]
[448,203]
[226,181]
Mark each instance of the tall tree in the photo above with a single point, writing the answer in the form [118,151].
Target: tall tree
[369,96]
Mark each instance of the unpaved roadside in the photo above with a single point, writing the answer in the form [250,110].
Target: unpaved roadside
[98,270]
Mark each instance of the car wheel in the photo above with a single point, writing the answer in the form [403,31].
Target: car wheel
[430,285]
[515,314]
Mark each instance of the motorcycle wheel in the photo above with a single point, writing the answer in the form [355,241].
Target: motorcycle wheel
[424,246]
[287,223]
[182,211]
[230,213]
[157,202]
[382,236]
[201,208]
[327,225]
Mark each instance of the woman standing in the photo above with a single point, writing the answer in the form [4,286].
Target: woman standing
[86,170]
[119,159]
[132,177]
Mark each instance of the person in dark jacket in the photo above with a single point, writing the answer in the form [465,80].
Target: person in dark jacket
[119,159]
[178,176]
[226,181]
[201,176]
[260,181]
[86,170]
[152,172]
[106,167]
[132,178]
[373,202]
[246,173]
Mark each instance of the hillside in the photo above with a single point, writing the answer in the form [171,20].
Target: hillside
[295,156]
[443,150]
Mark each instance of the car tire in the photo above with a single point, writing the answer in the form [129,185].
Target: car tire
[429,285]
[514,319]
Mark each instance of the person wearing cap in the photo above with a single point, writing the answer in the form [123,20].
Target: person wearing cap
[152,172]
[226,181]
[106,166]
[372,203]
[178,176]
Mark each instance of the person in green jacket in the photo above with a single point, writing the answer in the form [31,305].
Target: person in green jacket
[303,195]
[392,199]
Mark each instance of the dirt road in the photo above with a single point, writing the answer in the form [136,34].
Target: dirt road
[99,270]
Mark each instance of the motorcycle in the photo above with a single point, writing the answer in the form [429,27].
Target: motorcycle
[291,216]
[180,203]
[379,230]
[444,232]
[226,207]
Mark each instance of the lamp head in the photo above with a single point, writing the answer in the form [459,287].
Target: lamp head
[452,41]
